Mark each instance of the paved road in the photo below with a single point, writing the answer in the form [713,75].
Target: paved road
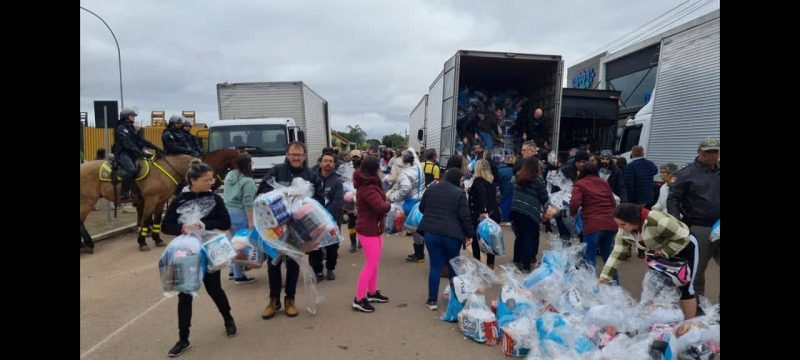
[124,314]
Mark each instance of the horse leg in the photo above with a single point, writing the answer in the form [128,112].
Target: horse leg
[142,223]
[147,219]
[159,212]
[87,245]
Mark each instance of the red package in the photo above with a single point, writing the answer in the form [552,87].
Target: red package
[399,220]
[490,329]
[510,347]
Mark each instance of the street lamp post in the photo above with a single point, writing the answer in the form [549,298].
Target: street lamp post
[121,99]
[119,56]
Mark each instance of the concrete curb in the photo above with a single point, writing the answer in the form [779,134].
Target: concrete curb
[114,232]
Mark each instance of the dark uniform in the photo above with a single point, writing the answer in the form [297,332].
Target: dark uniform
[191,141]
[128,147]
[174,138]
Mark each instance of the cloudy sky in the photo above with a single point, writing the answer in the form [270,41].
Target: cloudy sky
[372,60]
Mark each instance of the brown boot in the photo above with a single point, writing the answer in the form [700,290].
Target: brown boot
[271,309]
[291,311]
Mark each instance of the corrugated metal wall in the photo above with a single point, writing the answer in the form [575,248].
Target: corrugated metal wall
[261,100]
[687,100]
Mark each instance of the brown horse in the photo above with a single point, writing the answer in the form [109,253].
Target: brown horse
[220,160]
[154,189]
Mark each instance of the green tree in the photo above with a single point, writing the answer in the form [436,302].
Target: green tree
[373,142]
[393,140]
[356,134]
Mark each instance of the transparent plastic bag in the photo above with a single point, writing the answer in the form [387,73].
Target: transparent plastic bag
[272,209]
[312,226]
[490,237]
[182,266]
[217,250]
[248,252]
[476,321]
[296,246]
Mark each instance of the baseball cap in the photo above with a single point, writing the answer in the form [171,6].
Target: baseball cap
[355,152]
[709,143]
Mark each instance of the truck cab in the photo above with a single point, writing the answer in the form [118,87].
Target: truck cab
[637,130]
[265,139]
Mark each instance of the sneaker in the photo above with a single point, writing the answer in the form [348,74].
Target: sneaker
[352,249]
[144,248]
[432,305]
[319,277]
[415,259]
[244,280]
[179,348]
[505,223]
[161,244]
[331,275]
[230,276]
[230,328]
[362,305]
[377,297]
[410,258]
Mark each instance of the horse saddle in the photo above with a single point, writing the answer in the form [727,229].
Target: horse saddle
[107,166]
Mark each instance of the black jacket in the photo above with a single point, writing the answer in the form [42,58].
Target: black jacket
[284,173]
[128,140]
[483,199]
[446,212]
[217,219]
[333,193]
[617,183]
[694,197]
[175,142]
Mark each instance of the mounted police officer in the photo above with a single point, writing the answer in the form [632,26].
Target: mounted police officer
[128,148]
[174,138]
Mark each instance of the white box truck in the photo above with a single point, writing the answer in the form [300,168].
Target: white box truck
[264,117]
[684,106]
[538,77]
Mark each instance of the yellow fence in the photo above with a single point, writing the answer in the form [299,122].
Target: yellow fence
[93,139]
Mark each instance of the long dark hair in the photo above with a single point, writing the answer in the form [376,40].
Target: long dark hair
[244,163]
[629,212]
[529,171]
[369,166]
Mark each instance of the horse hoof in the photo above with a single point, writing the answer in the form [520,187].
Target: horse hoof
[160,244]
[144,248]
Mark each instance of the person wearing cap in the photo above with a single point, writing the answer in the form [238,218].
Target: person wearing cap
[694,199]
[610,172]
[355,159]
[128,147]
[638,175]
[173,137]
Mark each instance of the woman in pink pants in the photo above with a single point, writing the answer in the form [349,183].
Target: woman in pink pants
[372,207]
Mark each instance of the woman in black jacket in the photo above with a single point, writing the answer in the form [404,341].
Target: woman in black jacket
[200,177]
[483,203]
[446,226]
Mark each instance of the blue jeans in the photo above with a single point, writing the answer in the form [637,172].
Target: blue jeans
[238,222]
[440,249]
[505,208]
[605,240]
[486,139]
